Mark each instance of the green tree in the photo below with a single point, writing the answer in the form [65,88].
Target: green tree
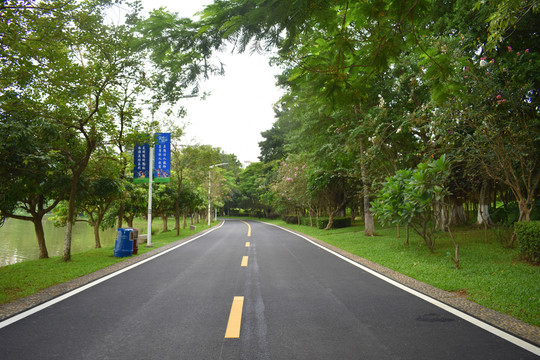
[33,175]
[414,197]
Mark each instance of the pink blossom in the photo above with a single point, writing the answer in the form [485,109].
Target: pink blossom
[295,174]
[466,76]
[483,58]
[499,96]
[518,53]
[509,49]
[526,50]
[288,179]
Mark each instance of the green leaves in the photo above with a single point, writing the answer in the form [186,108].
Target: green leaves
[411,197]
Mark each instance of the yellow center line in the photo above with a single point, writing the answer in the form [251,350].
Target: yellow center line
[235,318]
[249,228]
[244,261]
[248,244]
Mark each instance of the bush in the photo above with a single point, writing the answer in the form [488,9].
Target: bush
[508,214]
[291,219]
[528,236]
[339,222]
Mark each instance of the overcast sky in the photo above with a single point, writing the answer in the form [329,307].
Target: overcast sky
[241,102]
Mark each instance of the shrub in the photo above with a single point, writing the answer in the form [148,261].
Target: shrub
[528,236]
[508,214]
[339,222]
[291,219]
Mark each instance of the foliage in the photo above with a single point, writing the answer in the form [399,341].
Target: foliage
[528,236]
[413,197]
[339,222]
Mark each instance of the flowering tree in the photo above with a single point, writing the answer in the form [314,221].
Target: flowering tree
[292,186]
[495,118]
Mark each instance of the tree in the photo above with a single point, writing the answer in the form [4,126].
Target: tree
[414,197]
[33,175]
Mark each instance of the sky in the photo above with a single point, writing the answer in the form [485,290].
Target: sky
[241,102]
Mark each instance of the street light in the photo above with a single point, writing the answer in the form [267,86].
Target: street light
[209,187]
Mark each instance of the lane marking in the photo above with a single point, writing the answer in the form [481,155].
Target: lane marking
[481,324]
[249,227]
[248,244]
[45,305]
[244,261]
[235,318]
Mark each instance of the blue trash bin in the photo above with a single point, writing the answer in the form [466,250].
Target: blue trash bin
[123,245]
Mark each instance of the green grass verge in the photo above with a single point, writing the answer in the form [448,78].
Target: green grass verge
[490,274]
[28,277]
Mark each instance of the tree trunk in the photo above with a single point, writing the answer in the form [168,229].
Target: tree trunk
[77,172]
[330,220]
[96,235]
[164,220]
[177,224]
[40,235]
[184,216]
[66,256]
[441,215]
[120,216]
[369,224]
[483,217]
[456,212]
[407,228]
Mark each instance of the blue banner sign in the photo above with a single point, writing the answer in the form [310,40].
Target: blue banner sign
[162,158]
[142,163]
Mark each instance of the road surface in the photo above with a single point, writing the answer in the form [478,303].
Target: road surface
[248,290]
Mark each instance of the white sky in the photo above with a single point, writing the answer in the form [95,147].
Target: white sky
[241,102]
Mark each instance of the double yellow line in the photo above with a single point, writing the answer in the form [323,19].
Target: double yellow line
[235,316]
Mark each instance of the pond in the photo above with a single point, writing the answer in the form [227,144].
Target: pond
[18,240]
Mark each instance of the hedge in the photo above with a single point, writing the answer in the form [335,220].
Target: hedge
[339,222]
[528,236]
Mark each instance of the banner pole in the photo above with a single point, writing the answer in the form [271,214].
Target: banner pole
[150,177]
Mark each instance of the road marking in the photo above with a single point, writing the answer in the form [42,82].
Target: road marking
[249,228]
[45,305]
[481,324]
[248,244]
[244,261]
[235,318]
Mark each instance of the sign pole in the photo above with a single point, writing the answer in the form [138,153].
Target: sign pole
[150,177]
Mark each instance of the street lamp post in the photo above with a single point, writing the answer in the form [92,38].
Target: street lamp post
[209,188]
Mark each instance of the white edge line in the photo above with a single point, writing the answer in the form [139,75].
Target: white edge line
[60,298]
[492,329]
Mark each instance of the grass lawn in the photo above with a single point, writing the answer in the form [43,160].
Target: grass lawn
[490,274]
[28,277]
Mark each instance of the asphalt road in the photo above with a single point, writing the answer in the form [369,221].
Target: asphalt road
[292,300]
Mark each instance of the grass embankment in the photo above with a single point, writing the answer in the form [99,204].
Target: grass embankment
[490,274]
[28,277]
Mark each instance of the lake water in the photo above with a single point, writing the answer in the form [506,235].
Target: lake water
[18,240]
